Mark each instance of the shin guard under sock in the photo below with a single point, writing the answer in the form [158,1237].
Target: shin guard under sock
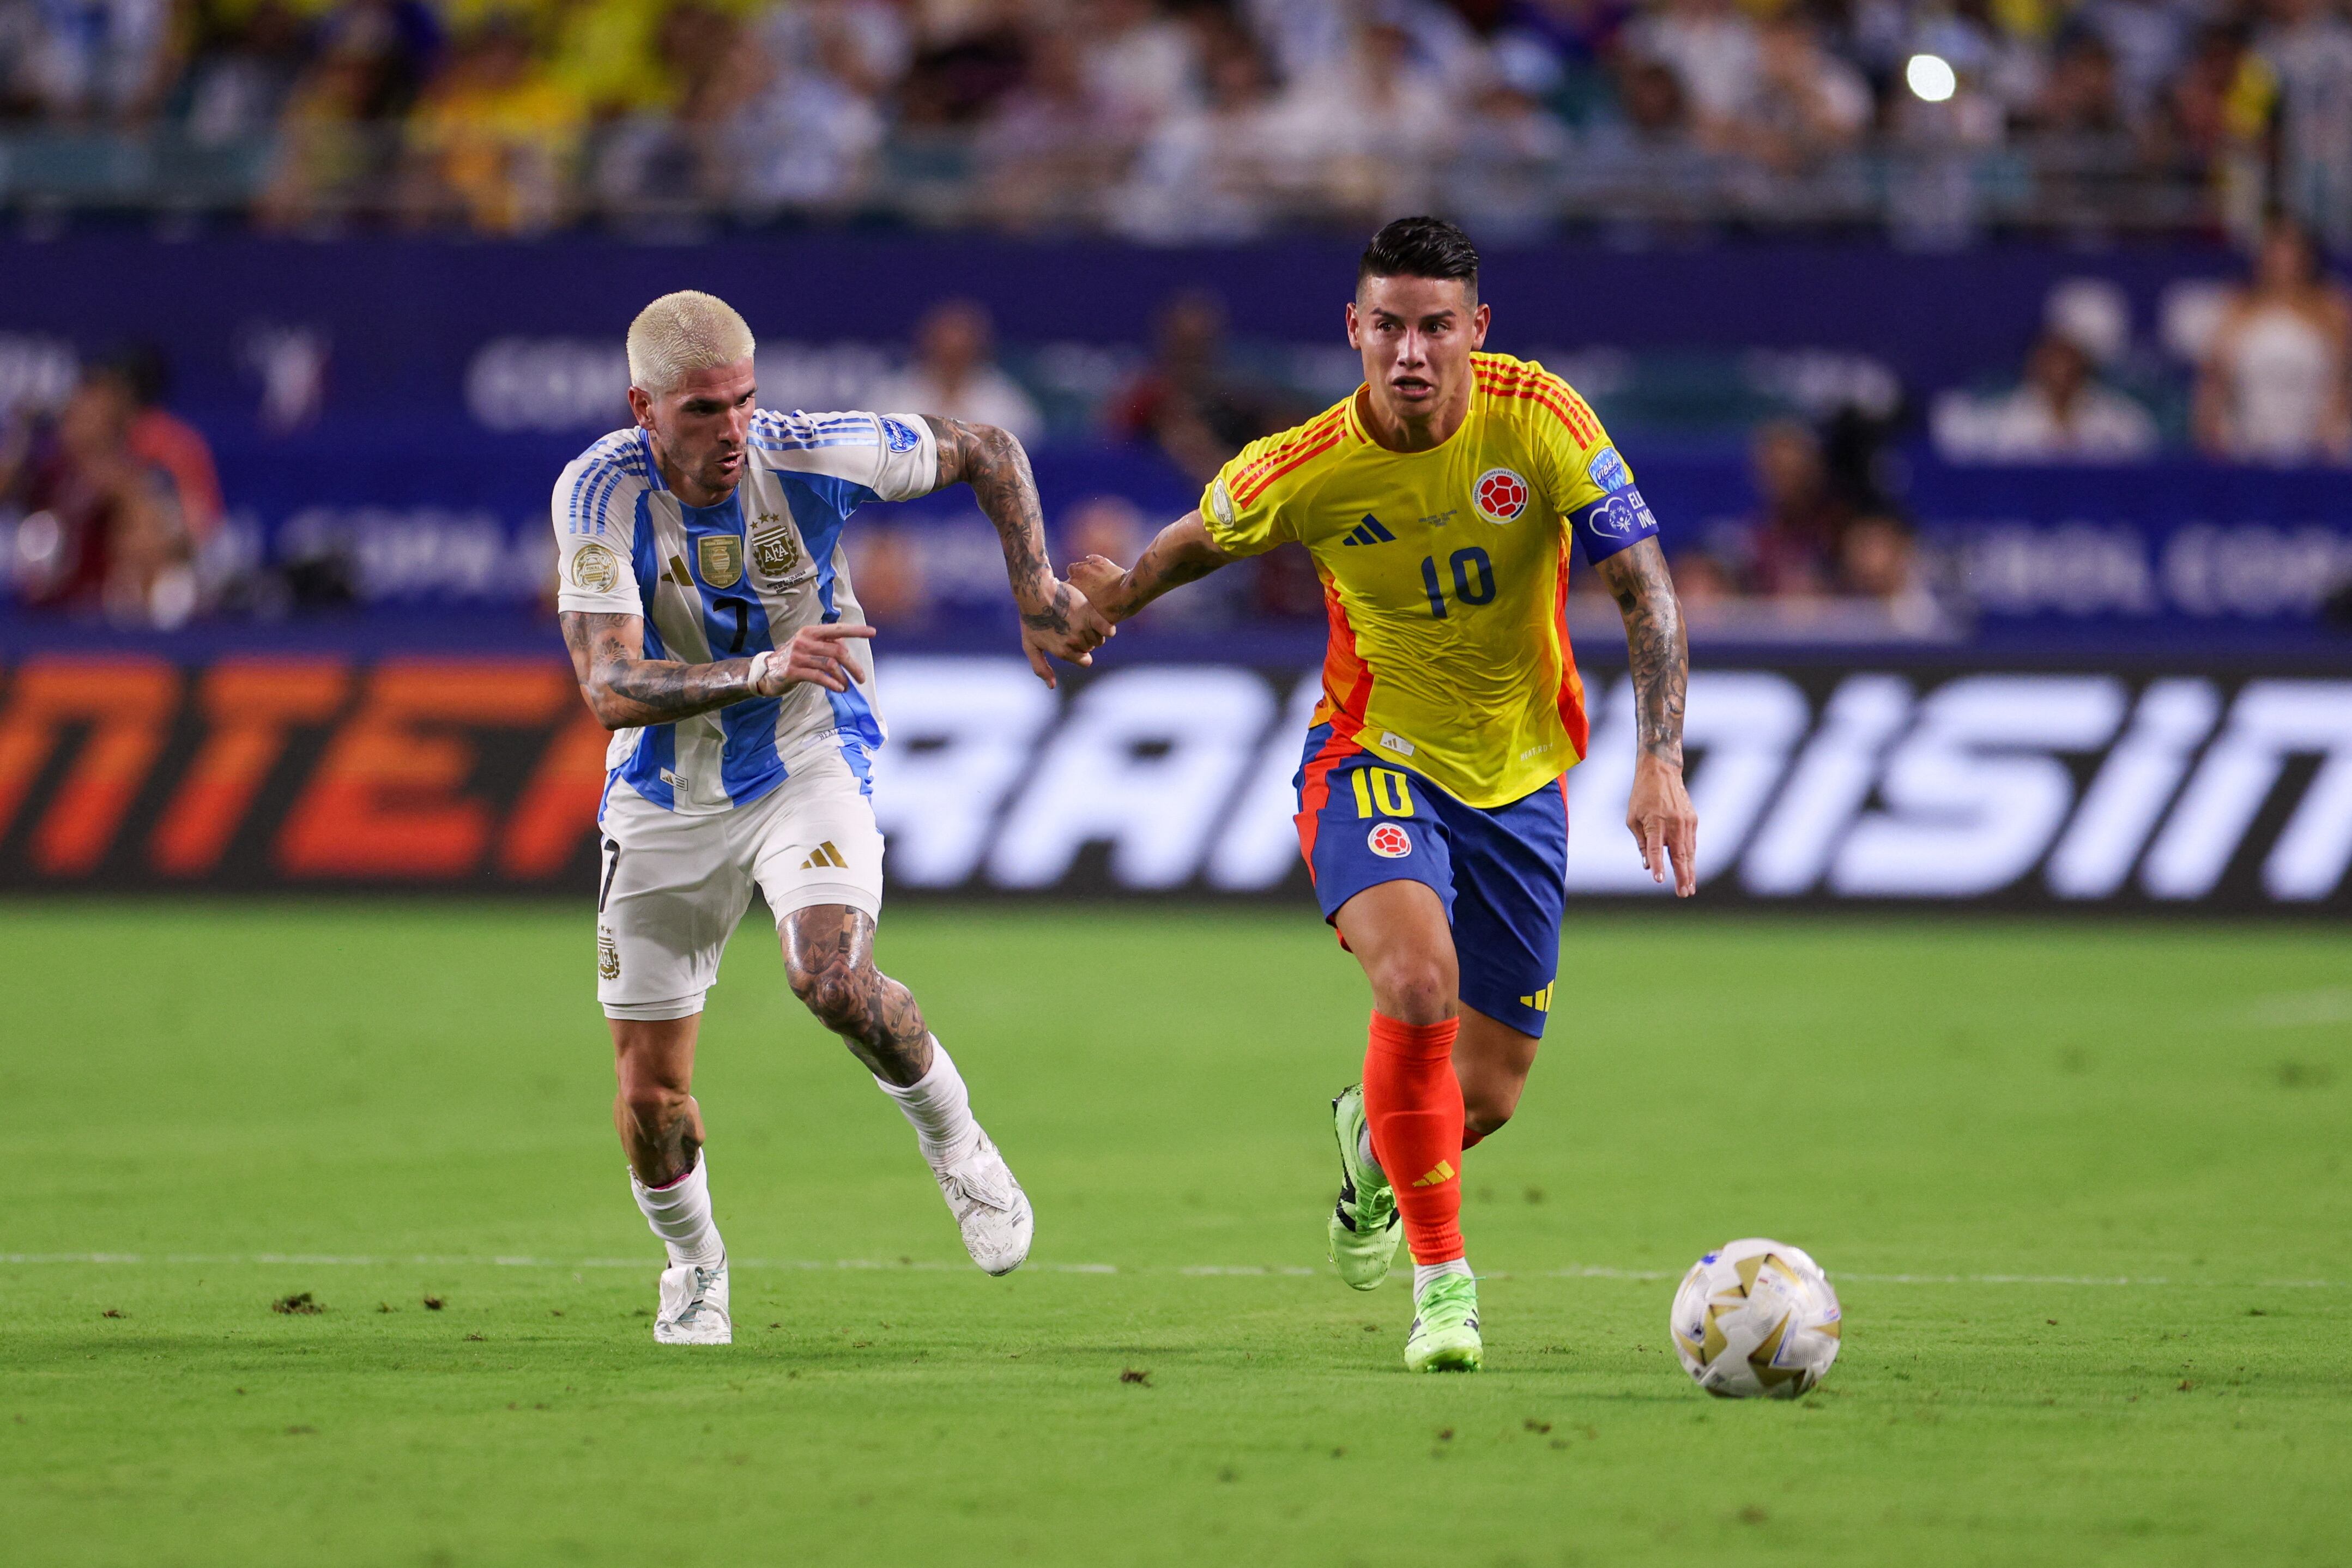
[1413,1103]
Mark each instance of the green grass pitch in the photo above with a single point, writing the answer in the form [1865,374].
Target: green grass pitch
[1983,1131]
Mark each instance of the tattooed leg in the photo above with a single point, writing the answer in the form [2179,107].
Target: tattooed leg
[829,961]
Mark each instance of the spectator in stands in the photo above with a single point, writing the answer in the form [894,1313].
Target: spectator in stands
[970,55]
[1207,173]
[1050,146]
[2079,96]
[244,68]
[163,441]
[1877,560]
[893,589]
[1361,135]
[1510,154]
[100,530]
[1140,65]
[1712,48]
[806,126]
[2203,115]
[1653,114]
[1793,543]
[1805,104]
[338,133]
[2060,413]
[1186,401]
[2276,384]
[2307,47]
[2146,40]
[953,376]
[101,61]
[496,137]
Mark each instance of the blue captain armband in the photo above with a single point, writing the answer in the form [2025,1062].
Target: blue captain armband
[1616,521]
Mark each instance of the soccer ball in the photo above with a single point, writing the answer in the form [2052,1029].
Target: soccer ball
[1756,1318]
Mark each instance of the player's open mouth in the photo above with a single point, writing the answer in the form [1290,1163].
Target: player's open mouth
[1410,386]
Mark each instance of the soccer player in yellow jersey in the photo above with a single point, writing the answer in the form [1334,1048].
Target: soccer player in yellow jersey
[1438,502]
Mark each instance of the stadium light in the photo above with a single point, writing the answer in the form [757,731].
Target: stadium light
[1931,77]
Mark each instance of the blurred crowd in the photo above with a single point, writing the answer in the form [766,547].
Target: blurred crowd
[1218,118]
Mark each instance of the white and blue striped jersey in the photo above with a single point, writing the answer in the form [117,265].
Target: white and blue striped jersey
[730,581]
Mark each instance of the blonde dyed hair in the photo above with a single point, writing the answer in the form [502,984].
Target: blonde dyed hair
[681,333]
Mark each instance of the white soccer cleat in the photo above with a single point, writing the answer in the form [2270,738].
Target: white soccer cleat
[694,1306]
[989,1207]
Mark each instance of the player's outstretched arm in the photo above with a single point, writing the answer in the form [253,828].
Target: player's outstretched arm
[1055,619]
[1659,815]
[1182,553]
[626,689]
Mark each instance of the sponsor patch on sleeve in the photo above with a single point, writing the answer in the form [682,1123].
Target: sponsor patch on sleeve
[899,435]
[1609,470]
[1221,502]
[595,569]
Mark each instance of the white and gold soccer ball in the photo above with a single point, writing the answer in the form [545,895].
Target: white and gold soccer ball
[1755,1319]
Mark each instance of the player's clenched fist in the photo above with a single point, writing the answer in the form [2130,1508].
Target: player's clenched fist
[815,653]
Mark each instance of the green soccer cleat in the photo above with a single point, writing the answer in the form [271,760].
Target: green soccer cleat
[1444,1335]
[1365,1226]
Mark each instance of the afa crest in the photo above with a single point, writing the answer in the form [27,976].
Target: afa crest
[776,552]
[719,558]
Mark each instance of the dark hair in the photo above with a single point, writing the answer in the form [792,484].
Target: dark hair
[1421,247]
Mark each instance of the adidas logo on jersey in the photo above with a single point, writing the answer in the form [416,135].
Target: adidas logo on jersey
[1371,531]
[825,855]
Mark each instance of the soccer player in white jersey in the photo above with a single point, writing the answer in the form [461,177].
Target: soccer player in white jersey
[707,608]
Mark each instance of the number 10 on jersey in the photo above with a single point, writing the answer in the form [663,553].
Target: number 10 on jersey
[1473,579]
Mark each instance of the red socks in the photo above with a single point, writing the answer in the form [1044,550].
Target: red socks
[1413,1103]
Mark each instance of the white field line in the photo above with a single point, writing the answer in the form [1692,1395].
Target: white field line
[1582,1271]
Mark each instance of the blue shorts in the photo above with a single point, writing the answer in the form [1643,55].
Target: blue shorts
[1502,872]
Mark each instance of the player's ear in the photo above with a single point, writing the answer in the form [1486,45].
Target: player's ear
[1351,326]
[1479,319]
[641,407]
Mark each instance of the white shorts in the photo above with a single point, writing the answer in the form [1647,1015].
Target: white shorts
[672,888]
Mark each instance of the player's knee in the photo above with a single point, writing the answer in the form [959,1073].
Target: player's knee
[1485,1116]
[841,999]
[653,1104]
[1415,988]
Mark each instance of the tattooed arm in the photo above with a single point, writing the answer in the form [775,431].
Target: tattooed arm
[1659,815]
[1056,618]
[1182,553]
[624,688]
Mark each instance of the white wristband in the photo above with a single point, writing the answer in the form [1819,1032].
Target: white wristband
[760,667]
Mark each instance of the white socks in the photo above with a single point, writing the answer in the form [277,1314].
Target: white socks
[1422,1273]
[939,1109]
[680,1215]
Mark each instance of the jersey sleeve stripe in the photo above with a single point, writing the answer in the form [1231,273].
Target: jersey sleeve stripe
[1314,429]
[1570,408]
[1550,390]
[1245,496]
[593,491]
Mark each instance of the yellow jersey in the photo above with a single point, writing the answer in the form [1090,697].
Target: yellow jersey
[1445,573]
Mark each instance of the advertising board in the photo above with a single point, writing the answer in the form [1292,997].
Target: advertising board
[1929,784]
